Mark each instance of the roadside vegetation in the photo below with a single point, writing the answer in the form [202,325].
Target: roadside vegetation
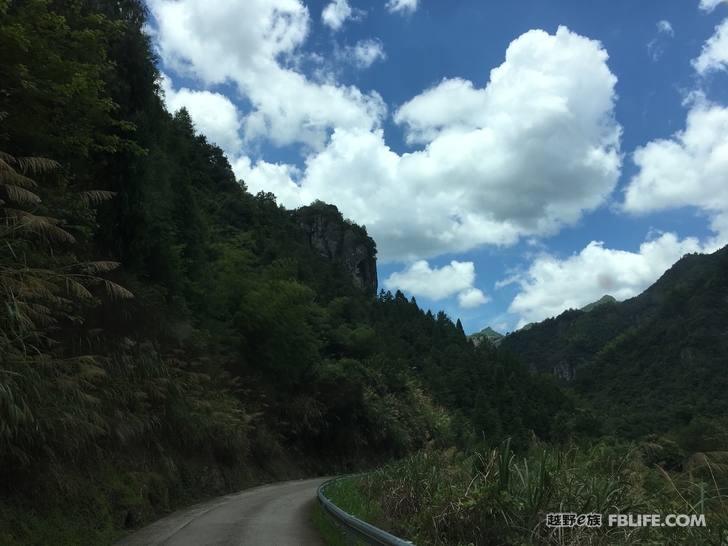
[495,497]
[166,336]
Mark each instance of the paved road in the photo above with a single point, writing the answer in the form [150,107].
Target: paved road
[269,515]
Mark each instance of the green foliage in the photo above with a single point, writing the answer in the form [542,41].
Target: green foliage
[101,503]
[346,493]
[498,394]
[493,497]
[52,72]
[649,364]
[670,369]
[331,532]
[561,345]
[241,343]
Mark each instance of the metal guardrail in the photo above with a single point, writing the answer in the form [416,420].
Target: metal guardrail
[354,528]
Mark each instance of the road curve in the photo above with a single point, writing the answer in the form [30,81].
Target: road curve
[276,514]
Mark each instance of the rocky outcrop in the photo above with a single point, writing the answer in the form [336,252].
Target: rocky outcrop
[337,239]
[487,335]
[564,371]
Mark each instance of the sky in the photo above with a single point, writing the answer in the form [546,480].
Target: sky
[510,159]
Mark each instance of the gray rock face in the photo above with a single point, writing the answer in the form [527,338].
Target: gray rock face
[336,239]
[487,335]
[564,371]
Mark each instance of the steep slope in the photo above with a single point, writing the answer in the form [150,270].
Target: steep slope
[673,367]
[651,363]
[561,345]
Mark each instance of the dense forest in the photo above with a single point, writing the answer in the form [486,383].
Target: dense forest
[648,432]
[655,363]
[165,331]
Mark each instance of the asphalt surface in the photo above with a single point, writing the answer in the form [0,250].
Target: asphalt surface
[269,515]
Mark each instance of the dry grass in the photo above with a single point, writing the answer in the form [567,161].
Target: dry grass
[60,401]
[494,498]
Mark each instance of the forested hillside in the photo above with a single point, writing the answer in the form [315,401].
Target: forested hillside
[648,364]
[647,431]
[672,369]
[167,335]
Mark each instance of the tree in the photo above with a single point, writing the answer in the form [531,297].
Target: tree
[52,84]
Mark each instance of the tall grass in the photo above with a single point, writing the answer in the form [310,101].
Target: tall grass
[495,498]
[59,399]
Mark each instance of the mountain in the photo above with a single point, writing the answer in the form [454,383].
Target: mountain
[648,363]
[561,345]
[601,301]
[672,368]
[487,334]
[166,335]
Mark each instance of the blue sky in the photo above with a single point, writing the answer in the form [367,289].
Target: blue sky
[510,159]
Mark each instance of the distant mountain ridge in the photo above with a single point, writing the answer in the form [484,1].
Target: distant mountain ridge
[487,334]
[560,345]
[601,301]
[659,354]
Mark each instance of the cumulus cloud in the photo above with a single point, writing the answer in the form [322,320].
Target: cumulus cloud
[524,156]
[213,114]
[709,5]
[552,285]
[250,43]
[437,284]
[276,178]
[335,14]
[714,56]
[364,53]
[401,6]
[472,297]
[689,169]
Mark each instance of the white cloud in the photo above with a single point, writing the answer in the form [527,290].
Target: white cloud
[714,56]
[472,297]
[552,285]
[656,47]
[269,177]
[220,40]
[364,53]
[709,5]
[335,14]
[214,115]
[437,284]
[394,6]
[251,43]
[689,169]
[666,27]
[524,156]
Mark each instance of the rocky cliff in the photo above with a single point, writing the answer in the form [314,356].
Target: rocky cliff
[337,239]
